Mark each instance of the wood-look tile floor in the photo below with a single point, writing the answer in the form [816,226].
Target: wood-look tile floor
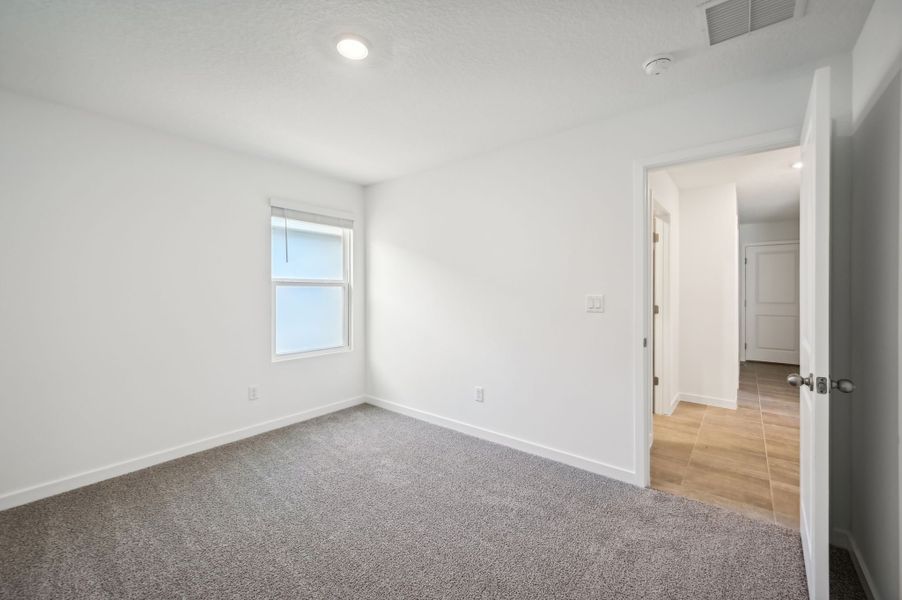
[746,460]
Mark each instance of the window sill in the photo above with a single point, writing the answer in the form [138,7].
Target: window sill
[278,358]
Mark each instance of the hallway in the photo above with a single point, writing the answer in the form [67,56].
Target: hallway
[745,460]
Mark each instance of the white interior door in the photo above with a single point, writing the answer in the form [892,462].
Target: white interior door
[772,303]
[658,317]
[814,339]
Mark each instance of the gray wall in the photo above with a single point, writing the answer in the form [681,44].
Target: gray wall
[840,330]
[875,341]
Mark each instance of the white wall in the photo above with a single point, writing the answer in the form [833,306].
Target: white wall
[709,276]
[755,233]
[666,195]
[875,479]
[877,55]
[135,309]
[478,272]
[777,231]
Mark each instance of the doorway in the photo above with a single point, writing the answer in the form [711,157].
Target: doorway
[813,383]
[725,332]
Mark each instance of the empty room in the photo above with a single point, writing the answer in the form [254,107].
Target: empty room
[396,299]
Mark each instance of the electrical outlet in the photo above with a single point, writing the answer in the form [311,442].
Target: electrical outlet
[480,395]
[253,393]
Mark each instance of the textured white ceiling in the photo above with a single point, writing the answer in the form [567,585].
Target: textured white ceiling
[767,187]
[446,79]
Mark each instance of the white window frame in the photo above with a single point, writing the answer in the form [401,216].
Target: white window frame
[346,284]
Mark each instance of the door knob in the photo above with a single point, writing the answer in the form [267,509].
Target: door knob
[846,386]
[796,380]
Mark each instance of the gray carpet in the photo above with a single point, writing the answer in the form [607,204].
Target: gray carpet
[367,504]
[844,582]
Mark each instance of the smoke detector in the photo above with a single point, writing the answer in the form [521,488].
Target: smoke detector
[657,65]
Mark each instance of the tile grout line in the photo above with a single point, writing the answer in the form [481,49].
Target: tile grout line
[770,480]
[698,433]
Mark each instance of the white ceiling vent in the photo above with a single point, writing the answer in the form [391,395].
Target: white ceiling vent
[726,19]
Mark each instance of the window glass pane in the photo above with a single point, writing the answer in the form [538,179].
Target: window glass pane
[314,251]
[309,318]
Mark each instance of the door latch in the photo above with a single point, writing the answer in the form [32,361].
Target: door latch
[823,384]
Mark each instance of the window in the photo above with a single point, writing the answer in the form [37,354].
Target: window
[311,283]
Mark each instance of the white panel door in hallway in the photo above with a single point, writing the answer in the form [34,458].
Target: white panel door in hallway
[814,343]
[772,302]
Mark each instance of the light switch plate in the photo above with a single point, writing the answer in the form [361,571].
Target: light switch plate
[595,303]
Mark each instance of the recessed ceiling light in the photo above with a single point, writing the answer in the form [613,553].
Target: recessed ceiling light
[797,164]
[352,47]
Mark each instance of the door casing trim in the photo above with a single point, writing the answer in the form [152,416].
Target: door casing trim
[643,393]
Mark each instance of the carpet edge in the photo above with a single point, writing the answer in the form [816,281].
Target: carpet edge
[40,491]
[561,456]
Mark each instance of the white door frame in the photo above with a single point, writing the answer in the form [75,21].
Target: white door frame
[743,288]
[668,352]
[900,362]
[642,267]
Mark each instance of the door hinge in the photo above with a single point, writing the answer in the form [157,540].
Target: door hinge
[655,380]
[657,309]
[657,237]
[746,261]
[746,345]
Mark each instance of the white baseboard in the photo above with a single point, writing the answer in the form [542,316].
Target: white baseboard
[71,482]
[574,460]
[674,402]
[668,407]
[844,539]
[709,400]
